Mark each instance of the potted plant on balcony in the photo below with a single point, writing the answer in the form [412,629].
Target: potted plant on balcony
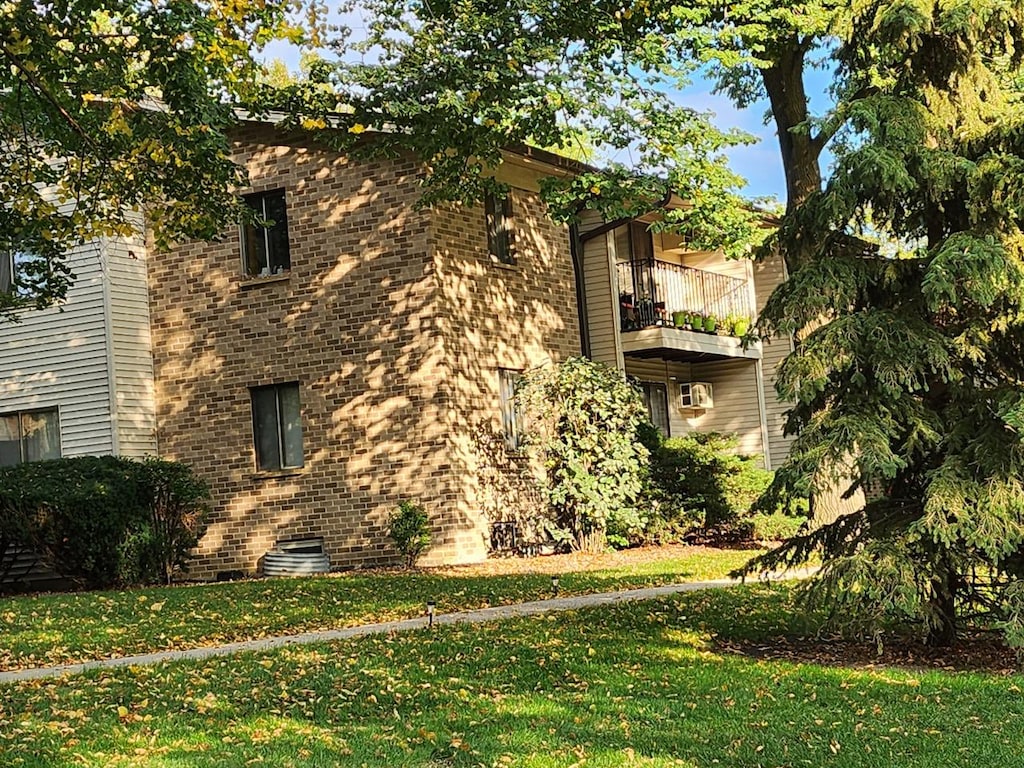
[697,321]
[740,327]
[680,318]
[710,324]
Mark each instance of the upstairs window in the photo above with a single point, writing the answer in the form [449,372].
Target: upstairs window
[512,421]
[277,426]
[265,248]
[498,213]
[20,272]
[656,400]
[29,436]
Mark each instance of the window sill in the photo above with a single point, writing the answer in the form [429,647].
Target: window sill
[513,267]
[249,281]
[278,474]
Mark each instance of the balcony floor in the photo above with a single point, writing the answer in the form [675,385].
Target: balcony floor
[685,346]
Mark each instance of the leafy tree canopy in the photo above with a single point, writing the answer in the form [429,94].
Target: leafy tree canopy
[458,82]
[111,106]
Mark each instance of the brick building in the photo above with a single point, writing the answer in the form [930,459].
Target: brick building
[360,351]
[353,355]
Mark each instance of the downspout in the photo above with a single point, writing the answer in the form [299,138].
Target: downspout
[576,249]
[576,242]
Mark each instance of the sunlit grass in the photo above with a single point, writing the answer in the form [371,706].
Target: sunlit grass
[630,685]
[63,628]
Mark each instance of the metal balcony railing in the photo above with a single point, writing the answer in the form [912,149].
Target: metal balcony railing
[650,291]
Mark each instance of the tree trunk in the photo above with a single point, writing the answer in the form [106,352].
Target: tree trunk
[784,82]
[943,604]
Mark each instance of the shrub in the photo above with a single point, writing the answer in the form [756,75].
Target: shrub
[777,526]
[103,520]
[409,528]
[176,500]
[697,483]
[582,421]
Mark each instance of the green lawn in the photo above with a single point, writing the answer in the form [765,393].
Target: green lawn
[630,685]
[63,628]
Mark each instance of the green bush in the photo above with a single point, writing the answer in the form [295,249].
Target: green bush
[778,526]
[409,528]
[697,483]
[103,521]
[176,501]
[583,418]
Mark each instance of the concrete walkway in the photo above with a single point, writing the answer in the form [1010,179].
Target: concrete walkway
[554,605]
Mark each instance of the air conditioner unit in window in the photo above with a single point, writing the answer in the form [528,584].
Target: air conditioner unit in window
[696,395]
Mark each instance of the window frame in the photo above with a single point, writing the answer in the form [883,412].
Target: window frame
[20,416]
[257,201]
[280,422]
[647,388]
[498,221]
[513,421]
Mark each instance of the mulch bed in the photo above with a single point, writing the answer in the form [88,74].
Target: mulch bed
[974,652]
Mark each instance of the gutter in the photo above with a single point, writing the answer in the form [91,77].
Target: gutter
[608,226]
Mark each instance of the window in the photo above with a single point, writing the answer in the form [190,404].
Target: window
[512,422]
[277,426]
[20,272]
[498,212]
[29,436]
[265,249]
[656,400]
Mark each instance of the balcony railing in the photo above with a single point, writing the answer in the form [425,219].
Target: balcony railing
[651,291]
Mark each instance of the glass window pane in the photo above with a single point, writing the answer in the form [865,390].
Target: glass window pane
[264,421]
[28,271]
[40,432]
[277,236]
[254,249]
[513,420]
[10,441]
[291,424]
[498,215]
[656,400]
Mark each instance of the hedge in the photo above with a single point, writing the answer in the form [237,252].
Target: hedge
[104,521]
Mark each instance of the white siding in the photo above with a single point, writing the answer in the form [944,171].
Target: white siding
[589,220]
[134,404]
[59,357]
[768,274]
[737,408]
[602,302]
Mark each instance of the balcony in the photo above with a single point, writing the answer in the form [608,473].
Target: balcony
[653,293]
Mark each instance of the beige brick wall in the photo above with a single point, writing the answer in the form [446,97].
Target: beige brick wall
[392,320]
[498,316]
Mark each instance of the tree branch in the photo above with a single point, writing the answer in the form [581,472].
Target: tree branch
[831,127]
[40,88]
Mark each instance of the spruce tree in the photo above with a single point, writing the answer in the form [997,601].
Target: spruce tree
[907,296]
